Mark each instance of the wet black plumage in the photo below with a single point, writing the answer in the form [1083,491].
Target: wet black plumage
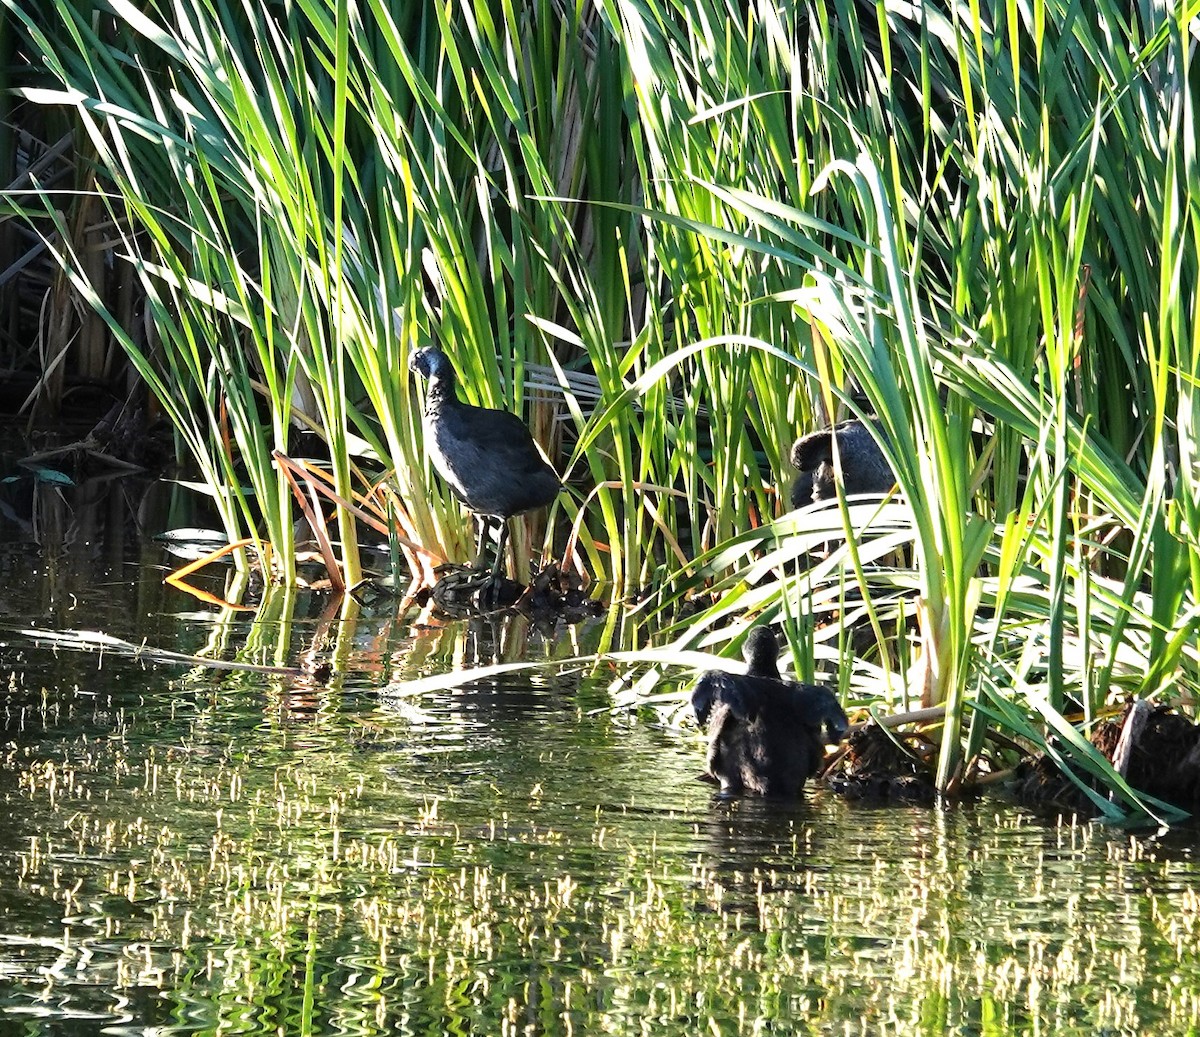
[487,457]
[765,735]
[863,468]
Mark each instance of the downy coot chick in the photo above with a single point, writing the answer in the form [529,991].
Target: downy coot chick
[765,735]
[487,457]
[862,466]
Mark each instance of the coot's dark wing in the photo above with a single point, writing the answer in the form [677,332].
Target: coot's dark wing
[738,694]
[820,710]
[490,459]
[706,693]
[864,468]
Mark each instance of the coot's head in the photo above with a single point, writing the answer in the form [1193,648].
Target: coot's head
[761,652]
[431,363]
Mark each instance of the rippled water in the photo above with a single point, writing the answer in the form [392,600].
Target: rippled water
[193,851]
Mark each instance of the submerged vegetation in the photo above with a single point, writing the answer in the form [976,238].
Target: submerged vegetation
[675,236]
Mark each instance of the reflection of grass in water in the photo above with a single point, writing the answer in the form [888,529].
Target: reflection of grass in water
[258,885]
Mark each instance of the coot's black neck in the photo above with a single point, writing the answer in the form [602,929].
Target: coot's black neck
[442,393]
[761,652]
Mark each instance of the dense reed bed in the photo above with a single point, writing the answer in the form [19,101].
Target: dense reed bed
[676,235]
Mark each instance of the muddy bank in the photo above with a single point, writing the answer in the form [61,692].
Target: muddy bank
[1157,750]
[885,766]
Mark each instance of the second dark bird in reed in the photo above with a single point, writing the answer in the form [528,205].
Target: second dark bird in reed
[487,457]
[766,735]
[860,465]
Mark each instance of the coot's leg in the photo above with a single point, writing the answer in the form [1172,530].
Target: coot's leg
[491,588]
[485,526]
[498,565]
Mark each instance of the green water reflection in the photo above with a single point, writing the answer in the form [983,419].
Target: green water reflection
[193,851]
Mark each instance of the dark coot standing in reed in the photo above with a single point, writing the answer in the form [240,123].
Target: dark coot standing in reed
[863,468]
[765,735]
[488,457]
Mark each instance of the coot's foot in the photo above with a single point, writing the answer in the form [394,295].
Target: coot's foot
[464,590]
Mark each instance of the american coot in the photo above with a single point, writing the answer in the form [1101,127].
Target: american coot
[862,466]
[765,735]
[487,457]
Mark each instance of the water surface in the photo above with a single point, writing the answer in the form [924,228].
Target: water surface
[187,850]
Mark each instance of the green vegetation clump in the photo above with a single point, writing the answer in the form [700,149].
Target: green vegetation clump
[676,235]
